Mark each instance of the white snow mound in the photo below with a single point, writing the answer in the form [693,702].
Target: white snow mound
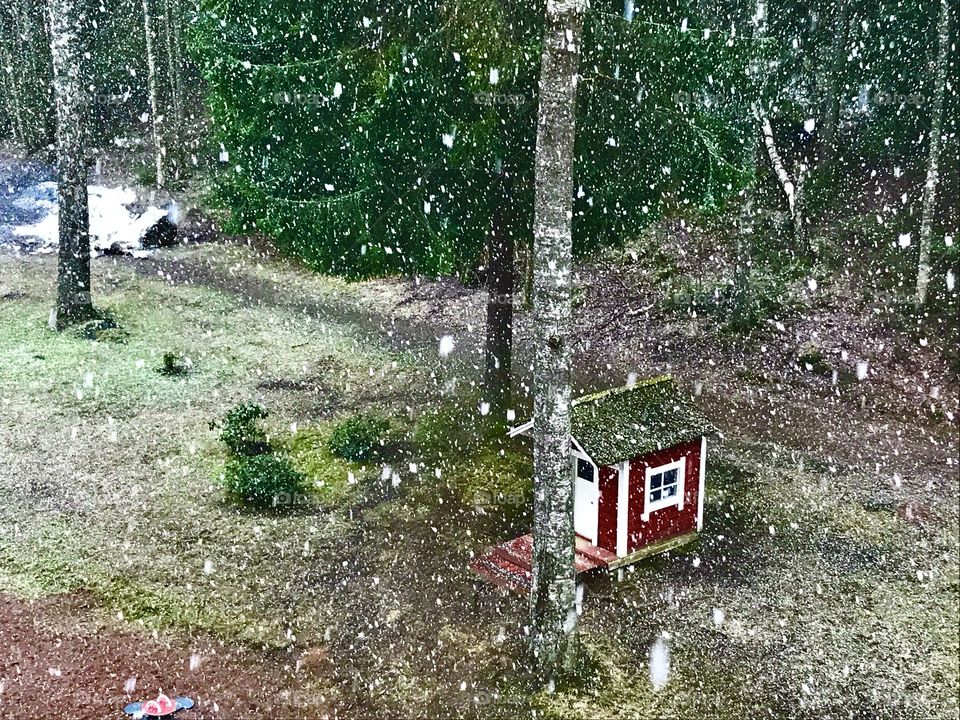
[113,226]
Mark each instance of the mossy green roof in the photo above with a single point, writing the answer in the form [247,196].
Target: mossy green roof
[650,415]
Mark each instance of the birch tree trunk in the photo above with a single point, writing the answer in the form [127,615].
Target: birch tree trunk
[153,92]
[779,169]
[933,162]
[498,350]
[73,259]
[793,188]
[553,614]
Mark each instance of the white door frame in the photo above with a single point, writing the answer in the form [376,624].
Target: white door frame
[588,492]
[623,505]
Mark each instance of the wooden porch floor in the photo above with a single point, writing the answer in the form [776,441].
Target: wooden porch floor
[508,564]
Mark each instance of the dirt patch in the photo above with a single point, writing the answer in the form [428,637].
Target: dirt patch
[51,665]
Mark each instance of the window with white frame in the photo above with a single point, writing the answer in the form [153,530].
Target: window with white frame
[585,470]
[664,487]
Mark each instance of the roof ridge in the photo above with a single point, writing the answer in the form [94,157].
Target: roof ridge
[647,382]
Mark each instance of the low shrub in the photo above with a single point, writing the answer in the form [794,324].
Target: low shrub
[173,365]
[741,304]
[101,329]
[761,296]
[241,432]
[266,480]
[359,437]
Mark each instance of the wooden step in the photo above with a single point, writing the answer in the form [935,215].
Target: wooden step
[502,573]
[518,551]
[509,564]
[597,555]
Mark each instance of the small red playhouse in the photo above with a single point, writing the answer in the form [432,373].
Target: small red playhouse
[638,459]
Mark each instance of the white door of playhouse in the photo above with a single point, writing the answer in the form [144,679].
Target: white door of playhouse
[586,498]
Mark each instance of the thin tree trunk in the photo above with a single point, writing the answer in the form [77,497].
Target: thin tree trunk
[553,616]
[800,208]
[744,243]
[831,109]
[34,73]
[10,92]
[22,77]
[783,177]
[173,69]
[500,281]
[933,162]
[792,188]
[152,90]
[73,260]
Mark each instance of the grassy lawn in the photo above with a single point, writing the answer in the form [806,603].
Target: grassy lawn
[810,593]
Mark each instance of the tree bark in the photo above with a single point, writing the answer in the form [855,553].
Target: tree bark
[11,95]
[783,177]
[33,73]
[744,244]
[831,109]
[933,161]
[171,35]
[153,92]
[553,614]
[73,259]
[500,282]
[792,188]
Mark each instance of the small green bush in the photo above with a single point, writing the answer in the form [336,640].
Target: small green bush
[264,480]
[101,329]
[763,296]
[173,365]
[358,438]
[738,305]
[240,430]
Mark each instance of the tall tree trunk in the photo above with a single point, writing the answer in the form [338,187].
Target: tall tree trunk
[793,188]
[933,161]
[11,94]
[33,73]
[171,9]
[24,51]
[73,260]
[832,94]
[553,614]
[155,117]
[745,240]
[500,281]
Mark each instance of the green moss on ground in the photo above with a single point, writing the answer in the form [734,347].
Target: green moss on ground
[333,482]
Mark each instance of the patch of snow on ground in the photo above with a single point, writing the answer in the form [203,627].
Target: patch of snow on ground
[659,663]
[114,227]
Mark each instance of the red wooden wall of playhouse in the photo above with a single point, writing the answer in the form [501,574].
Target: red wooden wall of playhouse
[663,524]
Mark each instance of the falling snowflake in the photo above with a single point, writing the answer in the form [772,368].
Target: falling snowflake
[659,663]
[446,345]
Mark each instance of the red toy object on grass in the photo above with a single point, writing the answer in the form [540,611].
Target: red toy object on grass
[161,707]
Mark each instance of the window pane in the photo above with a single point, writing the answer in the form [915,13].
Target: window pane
[670,491]
[654,495]
[670,477]
[655,480]
[584,470]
